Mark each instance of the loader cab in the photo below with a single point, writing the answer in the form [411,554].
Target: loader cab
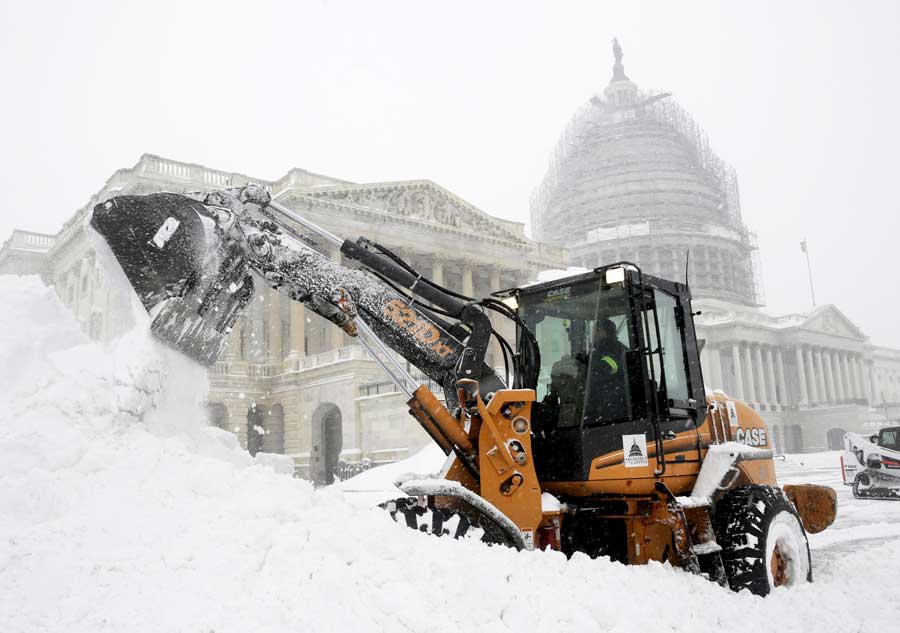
[889,438]
[619,357]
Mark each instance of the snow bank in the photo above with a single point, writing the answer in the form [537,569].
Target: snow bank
[122,510]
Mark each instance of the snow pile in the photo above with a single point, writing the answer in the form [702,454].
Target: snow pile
[122,510]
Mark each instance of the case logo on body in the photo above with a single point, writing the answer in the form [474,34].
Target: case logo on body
[635,449]
[558,293]
[423,331]
[750,437]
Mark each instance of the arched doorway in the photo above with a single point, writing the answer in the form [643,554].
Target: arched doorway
[255,429]
[835,438]
[327,441]
[218,414]
[273,440]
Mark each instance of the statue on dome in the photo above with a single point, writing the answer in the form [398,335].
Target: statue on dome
[617,51]
[618,68]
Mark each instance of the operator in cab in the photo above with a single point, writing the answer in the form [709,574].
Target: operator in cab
[589,385]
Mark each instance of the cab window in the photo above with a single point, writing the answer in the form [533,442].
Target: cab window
[890,439]
[667,351]
[583,333]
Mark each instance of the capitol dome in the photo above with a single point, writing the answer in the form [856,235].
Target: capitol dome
[633,178]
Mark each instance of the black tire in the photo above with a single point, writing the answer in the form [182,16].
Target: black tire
[763,541]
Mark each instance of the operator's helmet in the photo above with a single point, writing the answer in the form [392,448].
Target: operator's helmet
[605,332]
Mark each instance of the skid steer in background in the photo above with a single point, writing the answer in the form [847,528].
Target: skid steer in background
[872,464]
[598,437]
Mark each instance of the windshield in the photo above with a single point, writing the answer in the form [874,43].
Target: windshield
[583,334]
[890,438]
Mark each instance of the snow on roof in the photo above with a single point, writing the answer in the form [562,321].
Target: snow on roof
[554,273]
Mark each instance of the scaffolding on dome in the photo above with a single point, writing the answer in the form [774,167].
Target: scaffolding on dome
[665,111]
[553,204]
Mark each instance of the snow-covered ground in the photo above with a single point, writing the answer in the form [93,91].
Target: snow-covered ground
[122,510]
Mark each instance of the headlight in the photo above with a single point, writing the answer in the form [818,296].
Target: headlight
[615,276]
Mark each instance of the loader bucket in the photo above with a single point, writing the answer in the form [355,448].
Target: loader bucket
[192,283]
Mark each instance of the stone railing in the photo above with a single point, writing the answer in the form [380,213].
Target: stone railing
[263,371]
[203,176]
[351,352]
[29,240]
[220,368]
[269,370]
[556,255]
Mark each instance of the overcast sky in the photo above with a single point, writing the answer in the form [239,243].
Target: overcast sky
[801,97]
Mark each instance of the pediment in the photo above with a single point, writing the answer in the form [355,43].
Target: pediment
[418,200]
[829,320]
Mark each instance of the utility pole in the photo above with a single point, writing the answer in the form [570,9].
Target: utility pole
[809,271]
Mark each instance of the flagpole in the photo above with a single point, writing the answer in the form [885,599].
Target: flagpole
[809,271]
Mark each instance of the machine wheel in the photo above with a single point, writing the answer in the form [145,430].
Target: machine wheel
[861,479]
[763,541]
[442,521]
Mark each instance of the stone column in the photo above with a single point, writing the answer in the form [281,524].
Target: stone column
[715,368]
[274,319]
[820,375]
[298,329]
[838,372]
[257,332]
[844,389]
[760,371]
[233,351]
[873,385]
[335,336]
[468,284]
[860,377]
[830,381]
[812,376]
[738,374]
[801,372]
[770,377]
[849,391]
[749,386]
[839,377]
[854,377]
[437,271]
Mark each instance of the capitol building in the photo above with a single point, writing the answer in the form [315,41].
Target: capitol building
[633,178]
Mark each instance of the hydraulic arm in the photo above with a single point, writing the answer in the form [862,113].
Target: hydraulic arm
[190,257]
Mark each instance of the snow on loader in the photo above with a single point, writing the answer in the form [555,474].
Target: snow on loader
[599,436]
[872,464]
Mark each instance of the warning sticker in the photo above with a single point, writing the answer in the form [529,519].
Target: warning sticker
[732,412]
[165,232]
[635,449]
[528,537]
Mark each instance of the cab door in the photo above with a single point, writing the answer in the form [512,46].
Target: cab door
[674,380]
